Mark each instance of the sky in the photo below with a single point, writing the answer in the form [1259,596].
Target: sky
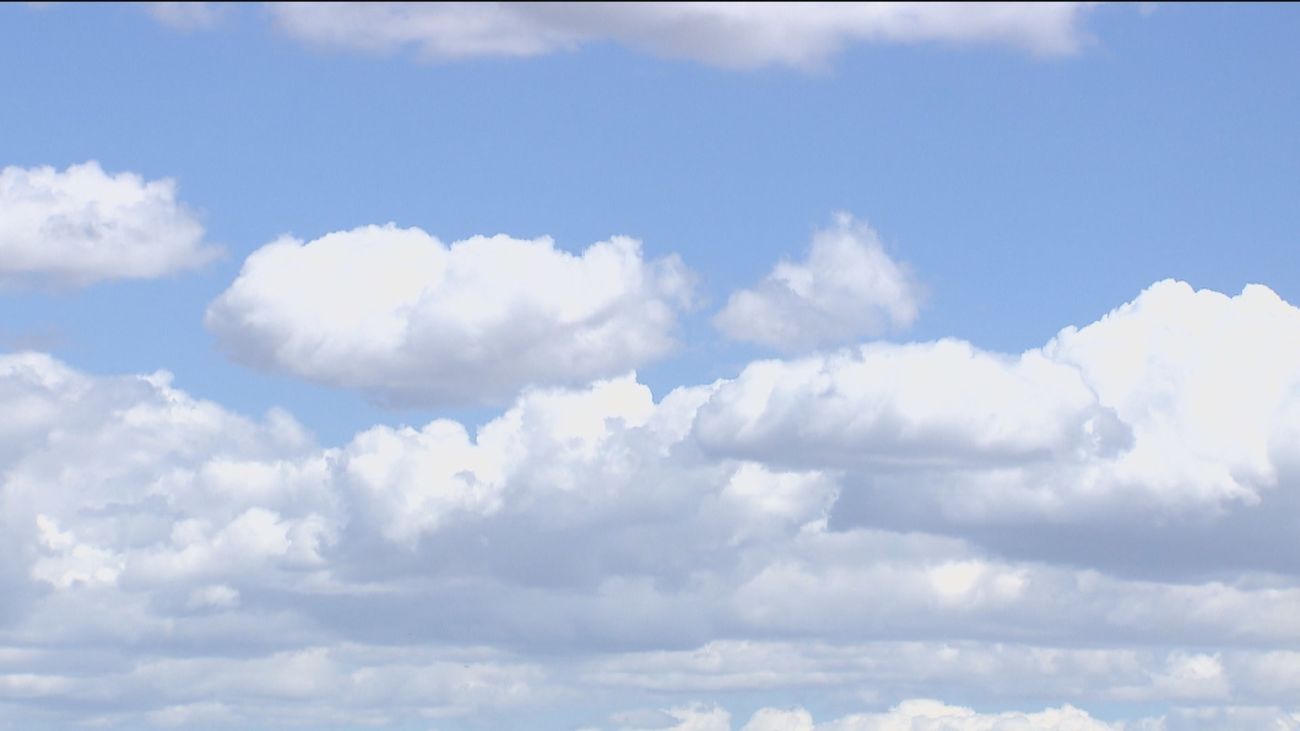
[840,367]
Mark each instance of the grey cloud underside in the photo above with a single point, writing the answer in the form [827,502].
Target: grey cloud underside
[884,522]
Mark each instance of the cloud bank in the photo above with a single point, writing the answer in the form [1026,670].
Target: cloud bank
[882,522]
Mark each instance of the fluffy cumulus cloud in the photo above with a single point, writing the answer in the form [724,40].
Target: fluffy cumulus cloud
[83,225]
[408,319]
[733,35]
[859,530]
[1178,402]
[847,288]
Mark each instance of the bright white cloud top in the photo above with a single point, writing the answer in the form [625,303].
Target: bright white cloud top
[83,225]
[408,319]
[846,289]
[820,522]
[734,35]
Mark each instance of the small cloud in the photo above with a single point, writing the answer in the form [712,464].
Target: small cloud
[188,16]
[846,288]
[83,225]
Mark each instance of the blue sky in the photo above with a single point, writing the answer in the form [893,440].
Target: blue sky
[1061,185]
[1022,191]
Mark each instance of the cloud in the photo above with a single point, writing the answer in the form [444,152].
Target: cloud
[780,719]
[917,714]
[1178,402]
[593,547]
[83,225]
[1230,718]
[698,717]
[730,35]
[206,494]
[415,482]
[923,404]
[929,714]
[398,314]
[187,15]
[848,288]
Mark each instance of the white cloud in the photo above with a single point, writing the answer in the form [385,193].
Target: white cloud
[699,717]
[191,714]
[82,225]
[733,35]
[1178,401]
[218,596]
[187,15]
[920,714]
[1230,718]
[997,671]
[1194,675]
[412,482]
[847,288]
[929,715]
[779,719]
[945,402]
[594,548]
[402,316]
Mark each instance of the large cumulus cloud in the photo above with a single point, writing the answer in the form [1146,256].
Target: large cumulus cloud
[1181,400]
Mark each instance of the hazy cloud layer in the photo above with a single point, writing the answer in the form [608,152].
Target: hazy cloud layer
[732,35]
[400,315]
[808,529]
[82,225]
[188,16]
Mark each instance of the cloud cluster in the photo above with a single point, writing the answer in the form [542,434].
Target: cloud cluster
[1180,400]
[929,714]
[844,537]
[847,289]
[730,35]
[886,518]
[412,321]
[923,714]
[406,318]
[82,225]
